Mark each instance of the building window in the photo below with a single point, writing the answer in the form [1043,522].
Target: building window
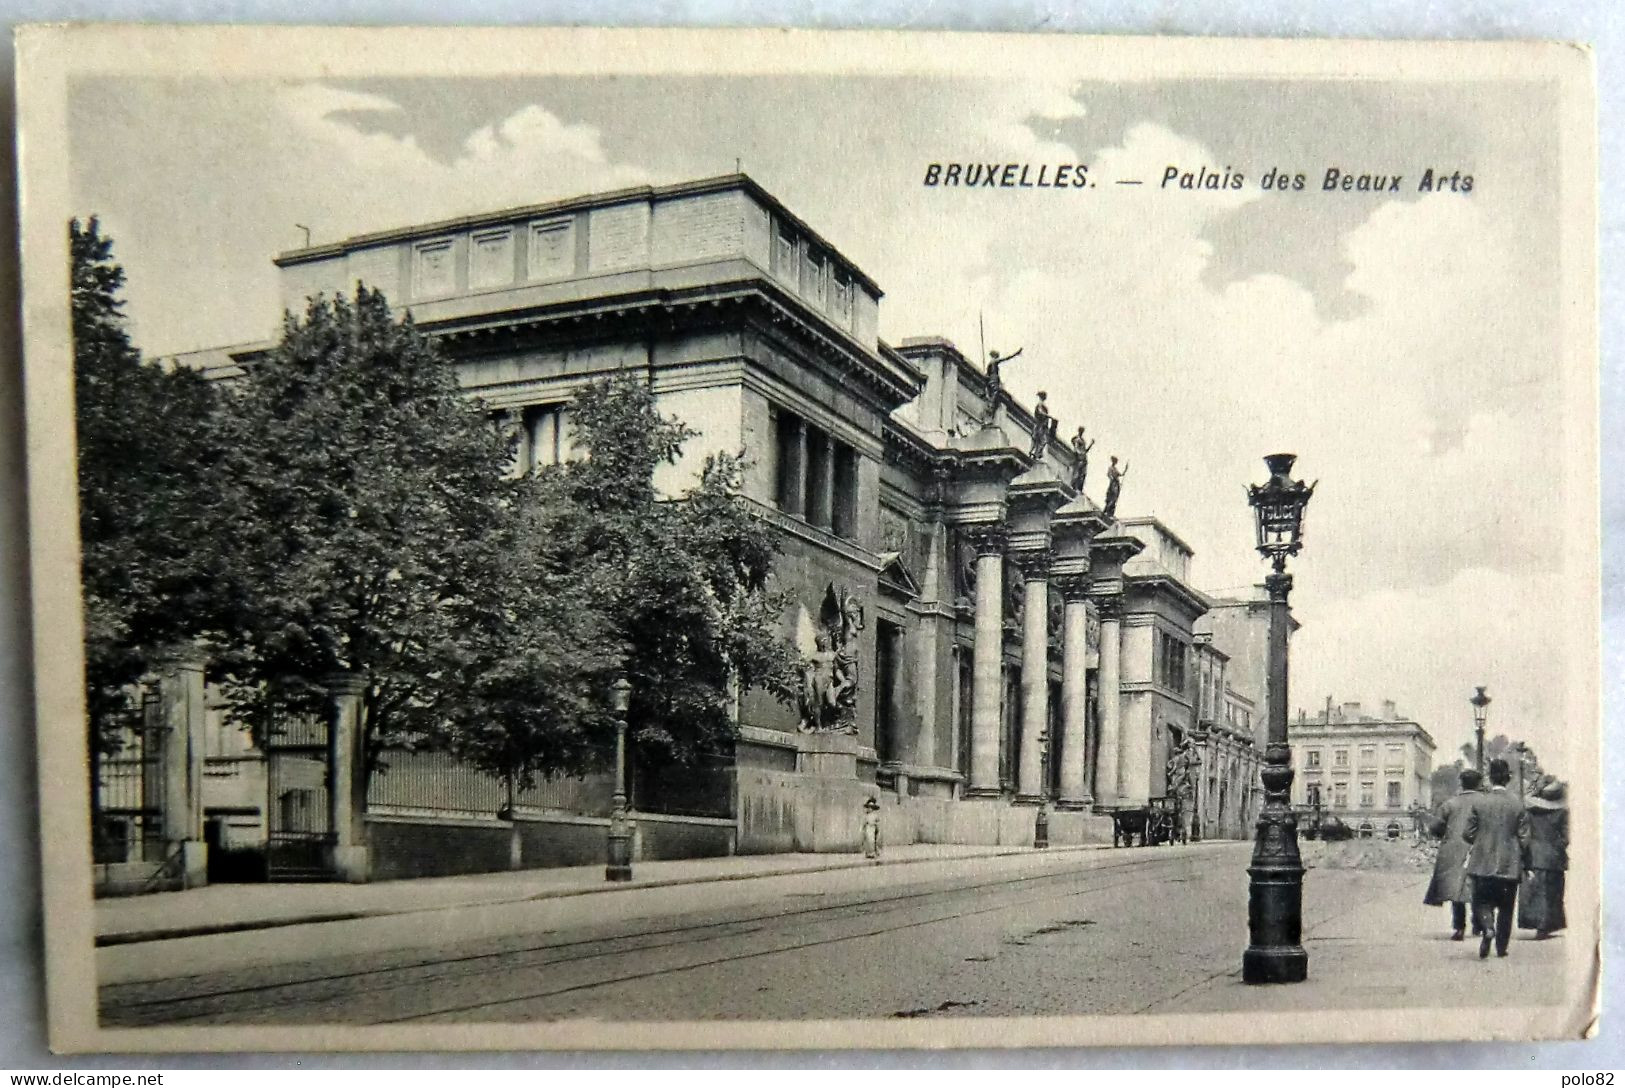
[1311,757]
[545,437]
[815,475]
[1393,794]
[432,269]
[1171,664]
[1395,757]
[1368,794]
[552,253]
[1340,757]
[1340,794]
[844,503]
[1368,755]
[490,262]
[1311,794]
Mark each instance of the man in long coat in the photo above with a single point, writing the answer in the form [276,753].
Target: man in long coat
[1450,883]
[1498,832]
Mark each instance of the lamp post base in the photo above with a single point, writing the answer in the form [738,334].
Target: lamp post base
[1279,963]
[619,861]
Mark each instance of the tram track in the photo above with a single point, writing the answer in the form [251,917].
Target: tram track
[205,1002]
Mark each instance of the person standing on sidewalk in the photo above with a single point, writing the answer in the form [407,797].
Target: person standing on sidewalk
[1540,902]
[871,829]
[1450,883]
[1498,833]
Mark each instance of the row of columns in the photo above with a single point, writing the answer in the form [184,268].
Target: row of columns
[1078,788]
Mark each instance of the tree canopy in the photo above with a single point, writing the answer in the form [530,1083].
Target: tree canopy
[344,506]
[683,585]
[370,525]
[1446,778]
[149,454]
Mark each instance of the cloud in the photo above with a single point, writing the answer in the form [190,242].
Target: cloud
[529,156]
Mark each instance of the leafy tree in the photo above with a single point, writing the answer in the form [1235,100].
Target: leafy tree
[374,531]
[683,585]
[1446,778]
[149,451]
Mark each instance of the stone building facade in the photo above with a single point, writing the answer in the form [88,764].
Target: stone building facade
[1368,770]
[1007,639]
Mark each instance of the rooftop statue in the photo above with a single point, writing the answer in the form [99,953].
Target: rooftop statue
[1043,427]
[1114,486]
[1080,470]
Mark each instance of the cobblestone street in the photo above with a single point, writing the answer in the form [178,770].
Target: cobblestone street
[1066,933]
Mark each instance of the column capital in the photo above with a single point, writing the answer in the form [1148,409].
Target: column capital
[183,655]
[1110,606]
[1034,562]
[1073,587]
[344,683]
[1278,586]
[988,538]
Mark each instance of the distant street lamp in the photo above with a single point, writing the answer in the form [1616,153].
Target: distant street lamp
[1041,821]
[1481,710]
[1523,754]
[619,867]
[1275,878]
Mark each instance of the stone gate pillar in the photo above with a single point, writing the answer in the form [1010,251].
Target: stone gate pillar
[347,777]
[181,718]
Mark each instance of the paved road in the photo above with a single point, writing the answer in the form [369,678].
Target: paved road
[1064,934]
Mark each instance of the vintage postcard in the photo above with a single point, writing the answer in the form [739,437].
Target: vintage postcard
[672,539]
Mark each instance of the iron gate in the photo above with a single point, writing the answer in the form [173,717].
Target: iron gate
[298,811]
[127,787]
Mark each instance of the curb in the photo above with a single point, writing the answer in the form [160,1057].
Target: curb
[146,936]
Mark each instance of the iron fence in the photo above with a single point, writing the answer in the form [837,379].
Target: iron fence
[127,787]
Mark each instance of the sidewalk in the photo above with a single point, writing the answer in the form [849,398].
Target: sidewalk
[232,908]
[1372,944]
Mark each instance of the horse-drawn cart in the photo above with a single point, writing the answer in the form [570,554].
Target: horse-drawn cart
[1157,822]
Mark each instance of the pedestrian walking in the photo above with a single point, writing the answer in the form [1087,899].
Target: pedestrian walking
[1450,883]
[1498,833]
[1540,902]
[871,829]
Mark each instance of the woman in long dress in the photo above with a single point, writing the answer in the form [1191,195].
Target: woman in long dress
[1540,903]
[1450,883]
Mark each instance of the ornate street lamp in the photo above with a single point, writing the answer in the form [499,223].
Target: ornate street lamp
[1481,710]
[619,866]
[1275,878]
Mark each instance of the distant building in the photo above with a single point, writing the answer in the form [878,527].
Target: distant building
[1160,672]
[1224,736]
[1367,770]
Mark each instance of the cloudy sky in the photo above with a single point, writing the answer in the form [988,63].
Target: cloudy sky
[1404,345]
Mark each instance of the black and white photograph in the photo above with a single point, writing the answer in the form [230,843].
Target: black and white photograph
[657,539]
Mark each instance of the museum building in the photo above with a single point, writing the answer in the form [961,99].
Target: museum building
[1009,639]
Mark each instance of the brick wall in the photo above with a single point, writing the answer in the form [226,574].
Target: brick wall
[699,228]
[618,237]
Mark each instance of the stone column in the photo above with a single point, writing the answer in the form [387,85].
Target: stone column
[1107,752]
[1075,693]
[1034,673]
[987,675]
[181,719]
[347,777]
